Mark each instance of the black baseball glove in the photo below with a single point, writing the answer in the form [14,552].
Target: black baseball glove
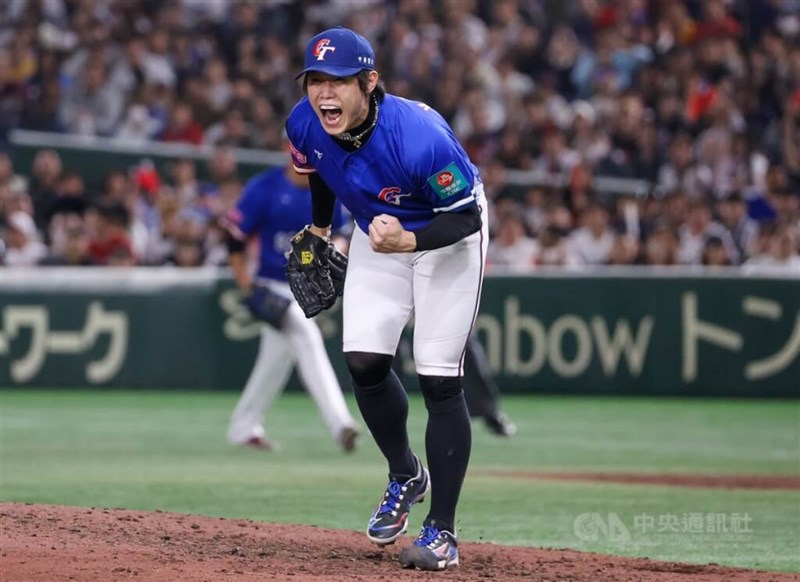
[267,305]
[337,262]
[309,269]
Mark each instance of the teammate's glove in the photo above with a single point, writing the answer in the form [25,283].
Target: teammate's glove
[309,273]
[267,305]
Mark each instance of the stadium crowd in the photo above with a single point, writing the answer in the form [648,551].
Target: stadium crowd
[699,100]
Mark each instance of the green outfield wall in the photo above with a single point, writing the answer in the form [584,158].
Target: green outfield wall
[613,332]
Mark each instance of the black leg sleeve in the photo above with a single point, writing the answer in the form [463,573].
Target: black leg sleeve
[448,443]
[383,403]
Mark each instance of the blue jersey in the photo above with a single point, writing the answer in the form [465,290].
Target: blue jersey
[411,167]
[274,209]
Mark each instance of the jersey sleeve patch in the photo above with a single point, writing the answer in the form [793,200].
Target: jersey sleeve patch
[299,160]
[448,181]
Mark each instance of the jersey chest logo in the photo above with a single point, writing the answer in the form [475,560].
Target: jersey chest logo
[392,195]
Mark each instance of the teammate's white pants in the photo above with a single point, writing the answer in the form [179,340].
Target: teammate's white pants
[441,288]
[299,341]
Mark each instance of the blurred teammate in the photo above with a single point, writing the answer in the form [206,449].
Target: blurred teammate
[419,247]
[273,206]
[480,389]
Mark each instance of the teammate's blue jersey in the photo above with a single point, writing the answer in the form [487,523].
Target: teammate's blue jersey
[274,209]
[412,166]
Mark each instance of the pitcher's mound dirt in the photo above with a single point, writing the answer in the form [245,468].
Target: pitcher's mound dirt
[45,543]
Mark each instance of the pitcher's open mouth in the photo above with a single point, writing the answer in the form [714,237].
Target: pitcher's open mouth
[332,115]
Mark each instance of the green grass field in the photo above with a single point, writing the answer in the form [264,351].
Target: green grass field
[148,450]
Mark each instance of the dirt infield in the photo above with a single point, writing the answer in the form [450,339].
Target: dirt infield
[54,543]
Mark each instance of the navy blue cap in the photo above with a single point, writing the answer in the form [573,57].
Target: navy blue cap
[339,52]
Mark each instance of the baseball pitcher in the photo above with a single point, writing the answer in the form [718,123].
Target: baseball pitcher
[418,248]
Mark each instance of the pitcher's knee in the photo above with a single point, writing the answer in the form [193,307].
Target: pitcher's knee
[368,369]
[440,388]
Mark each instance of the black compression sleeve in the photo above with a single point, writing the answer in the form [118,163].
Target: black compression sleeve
[322,201]
[447,228]
[234,245]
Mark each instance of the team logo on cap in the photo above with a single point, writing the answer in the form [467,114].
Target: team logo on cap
[322,47]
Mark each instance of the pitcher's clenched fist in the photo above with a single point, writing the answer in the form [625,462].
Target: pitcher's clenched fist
[387,235]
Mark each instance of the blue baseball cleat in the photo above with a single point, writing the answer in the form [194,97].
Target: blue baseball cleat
[434,549]
[390,519]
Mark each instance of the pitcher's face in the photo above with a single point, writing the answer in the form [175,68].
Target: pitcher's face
[338,102]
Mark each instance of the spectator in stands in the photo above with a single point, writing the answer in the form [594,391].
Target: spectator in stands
[512,249]
[184,184]
[233,130]
[110,244]
[593,241]
[661,247]
[217,86]
[557,159]
[589,140]
[680,173]
[243,94]
[188,252]
[92,106]
[787,207]
[696,232]
[142,199]
[72,246]
[139,65]
[535,209]
[715,254]
[624,251]
[615,55]
[23,247]
[222,166]
[195,95]
[675,210]
[791,127]
[535,122]
[732,213]
[70,197]
[748,166]
[17,66]
[10,181]
[783,254]
[121,256]
[182,126]
[553,249]
[43,95]
[265,133]
[579,194]
[46,173]
[116,185]
[138,125]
